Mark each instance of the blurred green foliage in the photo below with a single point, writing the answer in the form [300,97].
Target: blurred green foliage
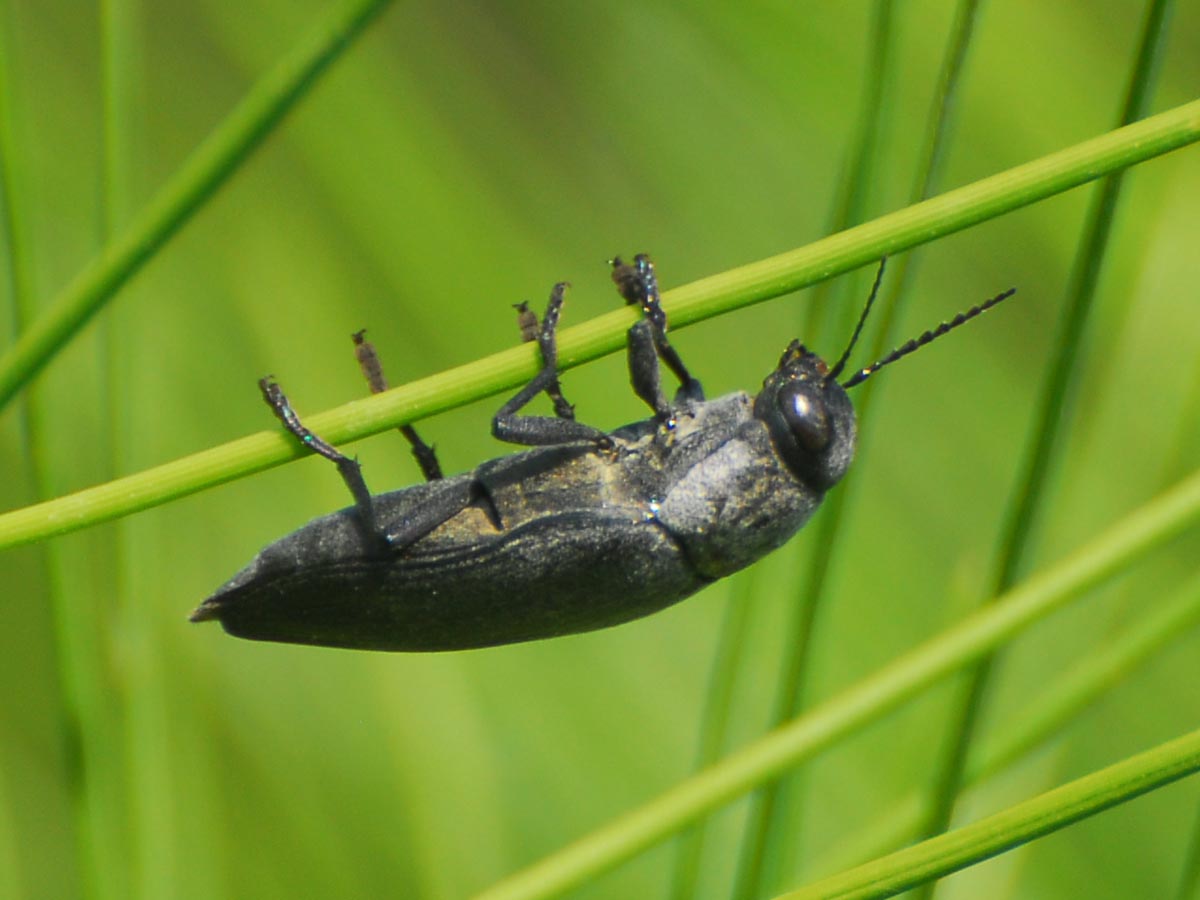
[462,157]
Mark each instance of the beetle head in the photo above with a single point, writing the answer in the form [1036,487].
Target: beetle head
[809,417]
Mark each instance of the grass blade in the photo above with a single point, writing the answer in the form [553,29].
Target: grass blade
[208,168]
[774,831]
[1017,825]
[1039,722]
[1029,495]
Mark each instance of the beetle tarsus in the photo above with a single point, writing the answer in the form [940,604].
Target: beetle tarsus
[372,369]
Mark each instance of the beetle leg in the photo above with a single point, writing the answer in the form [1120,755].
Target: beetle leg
[349,468]
[643,369]
[543,430]
[689,388]
[448,500]
[368,361]
[527,321]
[648,341]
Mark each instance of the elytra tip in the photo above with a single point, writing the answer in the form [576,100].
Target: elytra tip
[205,612]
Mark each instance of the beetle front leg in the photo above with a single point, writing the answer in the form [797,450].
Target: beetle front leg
[372,369]
[648,341]
[536,431]
[643,369]
[349,468]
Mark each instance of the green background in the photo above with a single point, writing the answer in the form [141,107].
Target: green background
[462,157]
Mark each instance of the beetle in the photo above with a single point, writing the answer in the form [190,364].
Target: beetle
[586,530]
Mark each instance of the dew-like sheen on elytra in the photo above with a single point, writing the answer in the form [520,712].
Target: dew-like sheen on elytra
[588,529]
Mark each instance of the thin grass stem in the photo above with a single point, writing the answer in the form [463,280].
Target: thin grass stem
[774,831]
[1029,496]
[1017,825]
[204,172]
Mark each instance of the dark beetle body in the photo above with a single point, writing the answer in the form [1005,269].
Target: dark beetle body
[588,530]
[586,538]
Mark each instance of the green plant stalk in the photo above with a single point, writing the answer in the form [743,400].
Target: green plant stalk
[133,676]
[14,273]
[773,835]
[97,832]
[1014,826]
[1189,878]
[858,169]
[772,755]
[1028,496]
[849,208]
[772,277]
[10,871]
[1037,723]
[207,169]
[13,226]
[114,816]
[727,660]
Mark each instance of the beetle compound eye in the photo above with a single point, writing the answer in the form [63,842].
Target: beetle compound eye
[806,416]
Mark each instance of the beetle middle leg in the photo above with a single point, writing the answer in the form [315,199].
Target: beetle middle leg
[372,369]
[648,341]
[527,321]
[536,431]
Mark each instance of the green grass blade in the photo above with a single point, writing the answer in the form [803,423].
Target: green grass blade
[772,755]
[1038,723]
[1029,495]
[849,208]
[859,168]
[138,702]
[13,227]
[199,177]
[1015,826]
[1189,879]
[753,283]
[774,832]
[719,705]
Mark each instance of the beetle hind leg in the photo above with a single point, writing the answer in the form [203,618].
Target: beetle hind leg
[349,469]
[448,498]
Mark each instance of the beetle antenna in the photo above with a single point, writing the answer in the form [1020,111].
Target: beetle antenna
[862,320]
[928,337]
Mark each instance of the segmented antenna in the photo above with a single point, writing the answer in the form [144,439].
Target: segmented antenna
[862,320]
[929,336]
